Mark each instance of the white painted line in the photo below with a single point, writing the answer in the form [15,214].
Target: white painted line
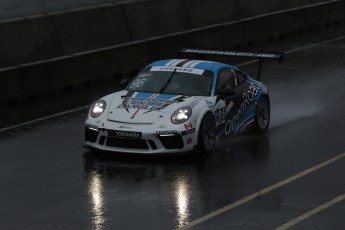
[44,118]
[241,64]
[262,192]
[311,213]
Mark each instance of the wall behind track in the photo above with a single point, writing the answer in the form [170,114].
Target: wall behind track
[58,74]
[41,37]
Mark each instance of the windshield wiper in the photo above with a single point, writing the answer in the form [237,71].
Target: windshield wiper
[167,82]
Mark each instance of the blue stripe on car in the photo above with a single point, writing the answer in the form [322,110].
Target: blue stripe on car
[143,95]
[159,96]
[165,96]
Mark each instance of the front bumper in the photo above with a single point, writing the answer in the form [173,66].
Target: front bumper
[132,138]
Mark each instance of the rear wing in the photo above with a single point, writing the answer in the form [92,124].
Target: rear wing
[259,55]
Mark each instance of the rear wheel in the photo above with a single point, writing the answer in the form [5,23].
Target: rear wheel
[262,115]
[207,135]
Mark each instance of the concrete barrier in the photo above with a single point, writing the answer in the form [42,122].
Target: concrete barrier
[90,29]
[155,18]
[28,40]
[250,8]
[209,12]
[124,60]
[62,33]
[11,80]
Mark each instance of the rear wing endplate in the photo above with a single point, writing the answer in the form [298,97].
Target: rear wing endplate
[259,55]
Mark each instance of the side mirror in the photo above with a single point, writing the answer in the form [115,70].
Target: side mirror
[227,91]
[124,83]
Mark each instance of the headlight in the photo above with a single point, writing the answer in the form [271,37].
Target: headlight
[97,108]
[181,115]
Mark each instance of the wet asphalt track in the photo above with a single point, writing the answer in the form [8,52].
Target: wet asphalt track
[48,181]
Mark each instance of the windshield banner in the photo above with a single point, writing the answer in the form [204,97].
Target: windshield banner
[178,69]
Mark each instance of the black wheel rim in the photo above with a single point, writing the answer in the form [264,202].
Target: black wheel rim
[208,133]
[263,114]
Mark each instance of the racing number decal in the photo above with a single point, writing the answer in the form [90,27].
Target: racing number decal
[138,83]
[220,114]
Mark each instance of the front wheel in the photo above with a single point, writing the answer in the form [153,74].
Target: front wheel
[262,115]
[207,135]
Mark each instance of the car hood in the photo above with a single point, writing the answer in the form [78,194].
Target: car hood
[146,108]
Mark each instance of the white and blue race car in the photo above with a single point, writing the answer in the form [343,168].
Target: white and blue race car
[180,105]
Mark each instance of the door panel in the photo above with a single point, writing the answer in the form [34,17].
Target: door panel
[235,112]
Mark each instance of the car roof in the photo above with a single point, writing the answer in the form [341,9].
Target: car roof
[197,64]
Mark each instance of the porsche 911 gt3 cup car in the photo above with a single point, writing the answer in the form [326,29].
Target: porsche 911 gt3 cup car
[179,105]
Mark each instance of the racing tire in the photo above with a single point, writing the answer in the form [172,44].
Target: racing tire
[206,135]
[262,115]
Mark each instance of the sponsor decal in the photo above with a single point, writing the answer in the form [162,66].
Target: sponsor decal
[145,75]
[188,126]
[188,132]
[155,102]
[128,95]
[124,134]
[248,97]
[166,132]
[161,126]
[125,127]
[177,69]
[209,104]
[145,103]
[189,141]
[233,53]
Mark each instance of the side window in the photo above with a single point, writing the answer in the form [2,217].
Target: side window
[240,77]
[225,77]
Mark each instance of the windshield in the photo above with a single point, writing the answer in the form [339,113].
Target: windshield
[173,80]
